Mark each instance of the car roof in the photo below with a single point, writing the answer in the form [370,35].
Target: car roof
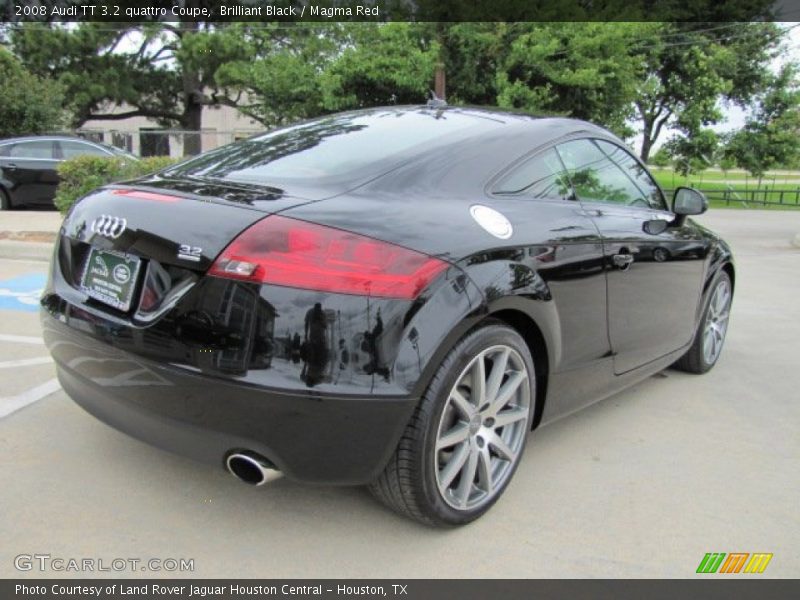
[33,138]
[508,120]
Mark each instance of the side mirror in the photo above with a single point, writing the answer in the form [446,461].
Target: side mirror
[688,201]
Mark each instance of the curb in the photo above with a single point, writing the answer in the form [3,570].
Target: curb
[26,250]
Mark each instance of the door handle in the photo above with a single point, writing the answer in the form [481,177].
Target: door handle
[11,166]
[622,261]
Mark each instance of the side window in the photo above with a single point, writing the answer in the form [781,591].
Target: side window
[542,176]
[596,178]
[36,149]
[73,149]
[636,172]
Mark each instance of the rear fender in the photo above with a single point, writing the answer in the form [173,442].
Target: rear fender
[459,304]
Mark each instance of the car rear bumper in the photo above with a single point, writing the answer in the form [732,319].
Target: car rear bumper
[310,436]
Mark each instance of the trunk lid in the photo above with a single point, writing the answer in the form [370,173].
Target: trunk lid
[131,251]
[165,222]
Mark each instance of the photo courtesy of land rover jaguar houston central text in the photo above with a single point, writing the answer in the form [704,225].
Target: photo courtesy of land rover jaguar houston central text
[391,297]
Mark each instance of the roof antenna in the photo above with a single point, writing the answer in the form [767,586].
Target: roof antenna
[434,101]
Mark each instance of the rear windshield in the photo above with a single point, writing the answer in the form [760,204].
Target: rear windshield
[336,146]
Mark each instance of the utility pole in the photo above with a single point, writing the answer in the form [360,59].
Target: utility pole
[440,79]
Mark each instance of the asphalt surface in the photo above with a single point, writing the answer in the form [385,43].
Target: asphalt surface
[642,484]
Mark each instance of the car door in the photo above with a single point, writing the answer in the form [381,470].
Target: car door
[29,167]
[654,270]
[565,250]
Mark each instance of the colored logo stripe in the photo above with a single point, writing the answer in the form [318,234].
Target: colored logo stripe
[758,562]
[734,562]
[713,562]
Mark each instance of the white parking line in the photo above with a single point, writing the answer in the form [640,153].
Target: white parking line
[21,339]
[14,403]
[25,362]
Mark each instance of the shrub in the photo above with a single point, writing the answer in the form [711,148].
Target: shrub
[79,176]
[661,158]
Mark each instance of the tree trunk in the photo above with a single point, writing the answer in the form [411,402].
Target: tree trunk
[647,145]
[439,77]
[648,122]
[192,121]
[192,117]
[439,85]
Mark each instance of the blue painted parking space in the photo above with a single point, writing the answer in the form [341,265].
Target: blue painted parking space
[22,292]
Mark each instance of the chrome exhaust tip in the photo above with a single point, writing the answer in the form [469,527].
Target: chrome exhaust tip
[251,468]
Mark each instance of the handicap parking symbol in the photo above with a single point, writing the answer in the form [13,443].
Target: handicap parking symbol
[22,292]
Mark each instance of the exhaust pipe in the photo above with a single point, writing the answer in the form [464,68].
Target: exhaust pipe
[252,468]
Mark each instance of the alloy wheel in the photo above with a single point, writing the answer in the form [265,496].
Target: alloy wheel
[716,324]
[482,428]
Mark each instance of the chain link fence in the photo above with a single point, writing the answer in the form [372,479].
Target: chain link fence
[751,197]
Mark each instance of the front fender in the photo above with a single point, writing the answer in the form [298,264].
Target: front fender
[720,256]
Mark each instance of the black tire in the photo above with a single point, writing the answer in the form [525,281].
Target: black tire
[695,360]
[409,485]
[5,202]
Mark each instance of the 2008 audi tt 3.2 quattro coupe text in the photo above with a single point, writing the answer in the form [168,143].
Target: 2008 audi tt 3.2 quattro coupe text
[392,297]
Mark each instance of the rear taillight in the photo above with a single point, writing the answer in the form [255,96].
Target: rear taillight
[284,251]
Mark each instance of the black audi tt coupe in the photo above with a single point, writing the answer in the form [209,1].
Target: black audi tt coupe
[392,297]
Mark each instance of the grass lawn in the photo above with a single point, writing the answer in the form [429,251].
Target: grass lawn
[772,178]
[742,189]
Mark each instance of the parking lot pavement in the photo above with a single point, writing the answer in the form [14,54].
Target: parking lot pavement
[26,370]
[642,484]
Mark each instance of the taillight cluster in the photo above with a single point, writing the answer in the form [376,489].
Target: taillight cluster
[289,252]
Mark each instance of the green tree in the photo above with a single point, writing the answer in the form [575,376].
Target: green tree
[582,70]
[695,153]
[28,104]
[391,63]
[771,135]
[689,68]
[301,72]
[278,79]
[164,71]
[473,53]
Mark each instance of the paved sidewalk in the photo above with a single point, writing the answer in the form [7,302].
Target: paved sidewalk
[30,220]
[28,234]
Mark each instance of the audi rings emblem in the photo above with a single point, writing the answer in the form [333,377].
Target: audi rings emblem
[108,226]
